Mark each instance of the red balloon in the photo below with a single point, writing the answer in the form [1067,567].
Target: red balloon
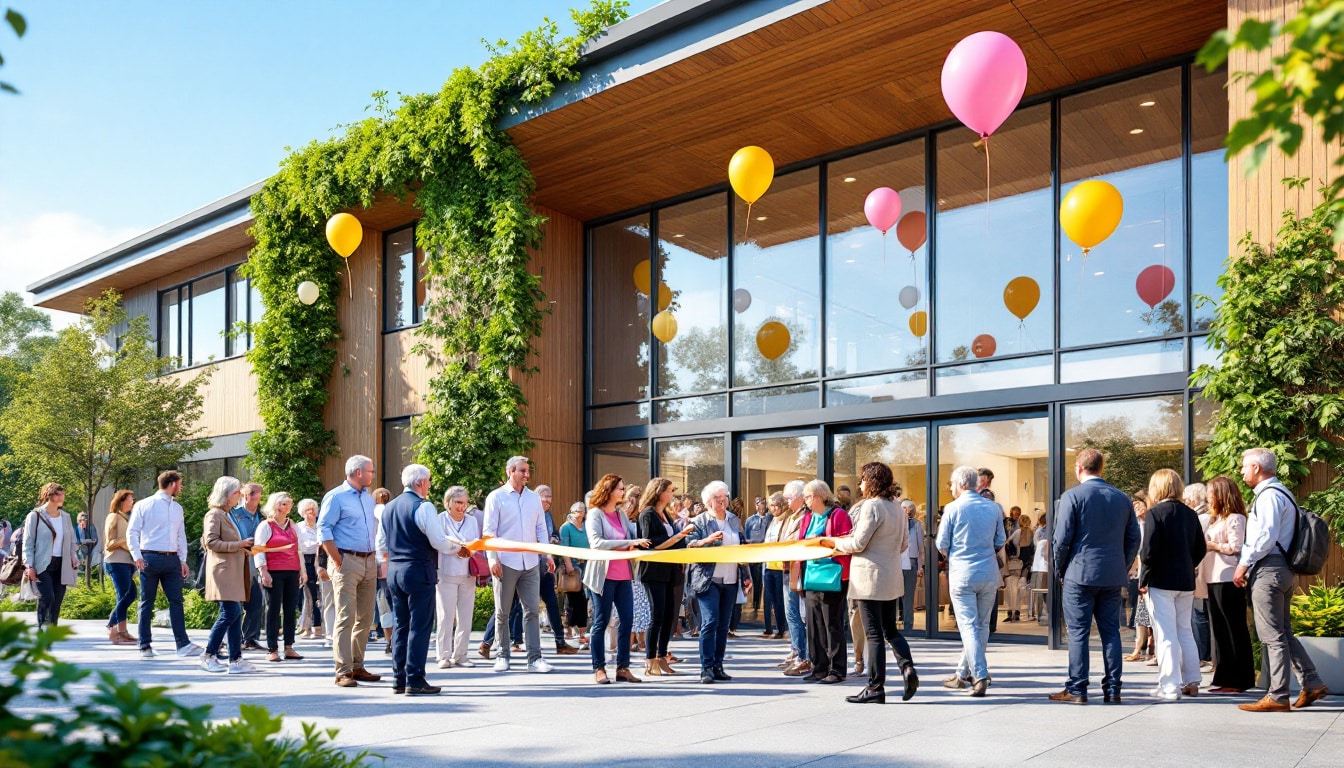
[984,345]
[1155,283]
[911,230]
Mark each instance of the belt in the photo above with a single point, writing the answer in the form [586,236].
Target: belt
[356,554]
[153,552]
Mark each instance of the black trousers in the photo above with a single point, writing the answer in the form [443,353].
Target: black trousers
[50,593]
[314,589]
[576,610]
[282,595]
[663,609]
[879,628]
[411,589]
[827,614]
[254,612]
[1233,655]
[548,599]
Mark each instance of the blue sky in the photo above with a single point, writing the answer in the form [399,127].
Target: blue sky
[133,113]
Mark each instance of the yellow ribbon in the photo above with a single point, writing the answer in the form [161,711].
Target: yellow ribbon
[806,549]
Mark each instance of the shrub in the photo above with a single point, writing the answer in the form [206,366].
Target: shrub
[484,610]
[1319,612]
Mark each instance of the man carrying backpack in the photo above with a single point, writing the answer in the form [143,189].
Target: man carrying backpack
[1265,564]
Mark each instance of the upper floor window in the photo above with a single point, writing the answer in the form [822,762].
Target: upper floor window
[403,280]
[195,318]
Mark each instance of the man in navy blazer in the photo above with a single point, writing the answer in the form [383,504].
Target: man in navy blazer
[1096,538]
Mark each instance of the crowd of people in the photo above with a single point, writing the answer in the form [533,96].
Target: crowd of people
[362,563]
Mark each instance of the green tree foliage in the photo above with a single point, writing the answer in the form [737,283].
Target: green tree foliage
[484,306]
[1280,333]
[87,416]
[19,25]
[25,334]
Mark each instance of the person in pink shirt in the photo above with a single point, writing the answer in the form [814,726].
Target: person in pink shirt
[609,581]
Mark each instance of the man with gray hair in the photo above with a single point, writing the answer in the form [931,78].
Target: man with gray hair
[793,601]
[246,517]
[514,512]
[347,530]
[970,534]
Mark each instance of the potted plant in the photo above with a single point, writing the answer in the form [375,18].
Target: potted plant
[1318,623]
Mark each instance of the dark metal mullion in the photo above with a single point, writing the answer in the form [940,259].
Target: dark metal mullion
[655,291]
[930,543]
[1187,193]
[587,317]
[1056,183]
[823,258]
[731,318]
[1056,453]
[930,252]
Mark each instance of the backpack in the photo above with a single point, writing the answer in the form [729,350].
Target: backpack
[1307,552]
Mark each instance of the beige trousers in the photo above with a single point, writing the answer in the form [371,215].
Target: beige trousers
[354,585]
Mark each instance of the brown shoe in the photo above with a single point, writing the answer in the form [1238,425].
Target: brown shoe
[626,676]
[1190,690]
[1308,695]
[346,681]
[114,636]
[485,650]
[365,676]
[1267,704]
[1137,656]
[978,688]
[566,650]
[1068,698]
[665,667]
[600,677]
[799,669]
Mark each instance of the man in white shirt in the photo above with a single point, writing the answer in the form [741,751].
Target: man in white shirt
[514,512]
[157,537]
[1264,564]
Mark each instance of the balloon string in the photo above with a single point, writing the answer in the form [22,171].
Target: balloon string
[349,277]
[884,251]
[746,231]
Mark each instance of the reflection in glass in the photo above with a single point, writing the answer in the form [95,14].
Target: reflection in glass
[691,463]
[620,312]
[399,279]
[870,277]
[1208,180]
[170,325]
[1137,437]
[692,251]
[770,462]
[1203,353]
[1118,362]
[1128,134]
[618,416]
[794,397]
[982,247]
[398,450]
[207,319]
[877,389]
[996,374]
[1202,411]
[775,261]
[238,295]
[629,459]
[691,408]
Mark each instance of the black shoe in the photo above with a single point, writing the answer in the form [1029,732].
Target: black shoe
[911,684]
[813,678]
[252,645]
[868,697]
[1110,697]
[428,690]
[398,689]
[831,679]
[707,677]
[719,674]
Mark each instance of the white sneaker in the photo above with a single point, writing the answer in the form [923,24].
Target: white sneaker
[212,664]
[189,650]
[445,663]
[502,664]
[146,653]
[540,666]
[241,667]
[1165,695]
[464,663]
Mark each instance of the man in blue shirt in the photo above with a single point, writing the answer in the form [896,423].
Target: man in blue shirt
[514,512]
[970,535]
[754,528]
[347,531]
[247,516]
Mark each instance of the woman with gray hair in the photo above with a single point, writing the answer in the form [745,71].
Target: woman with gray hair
[715,585]
[576,603]
[825,585]
[227,580]
[280,573]
[456,587]
[912,563]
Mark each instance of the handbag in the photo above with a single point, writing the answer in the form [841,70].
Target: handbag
[568,582]
[479,567]
[822,575]
[11,570]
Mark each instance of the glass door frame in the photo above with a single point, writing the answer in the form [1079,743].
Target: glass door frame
[735,456]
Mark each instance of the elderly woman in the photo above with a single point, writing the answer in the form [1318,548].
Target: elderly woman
[119,564]
[912,563]
[1173,546]
[1225,537]
[880,534]
[660,579]
[715,585]
[49,550]
[825,585]
[611,580]
[280,572]
[310,621]
[572,534]
[227,580]
[456,587]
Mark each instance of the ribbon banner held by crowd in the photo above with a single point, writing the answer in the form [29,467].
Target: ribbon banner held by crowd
[806,549]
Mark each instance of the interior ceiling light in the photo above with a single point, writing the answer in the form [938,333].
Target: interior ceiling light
[1159,245]
[678,236]
[1135,131]
[762,218]
[1147,103]
[850,179]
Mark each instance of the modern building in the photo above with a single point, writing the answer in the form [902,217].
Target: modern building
[806,342]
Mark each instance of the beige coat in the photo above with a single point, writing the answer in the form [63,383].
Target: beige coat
[226,574]
[876,542]
[115,548]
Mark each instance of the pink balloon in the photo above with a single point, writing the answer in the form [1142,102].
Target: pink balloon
[883,208]
[1155,283]
[984,78]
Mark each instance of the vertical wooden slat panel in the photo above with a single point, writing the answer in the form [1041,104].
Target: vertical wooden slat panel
[353,410]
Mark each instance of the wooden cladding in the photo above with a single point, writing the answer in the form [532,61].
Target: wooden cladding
[230,397]
[356,377]
[406,375]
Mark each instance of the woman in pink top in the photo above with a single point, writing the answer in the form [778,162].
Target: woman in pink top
[1235,670]
[609,581]
[279,572]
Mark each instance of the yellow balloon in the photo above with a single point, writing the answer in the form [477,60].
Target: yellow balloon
[773,339]
[664,296]
[919,323]
[344,233]
[1090,213]
[665,327]
[644,277]
[1020,296]
[750,172]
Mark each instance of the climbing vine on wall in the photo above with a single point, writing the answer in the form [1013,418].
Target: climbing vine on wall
[484,306]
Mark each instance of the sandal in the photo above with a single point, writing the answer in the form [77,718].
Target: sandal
[273,656]
[600,677]
[292,656]
[1137,656]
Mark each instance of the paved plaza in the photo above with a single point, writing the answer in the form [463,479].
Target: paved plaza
[759,719]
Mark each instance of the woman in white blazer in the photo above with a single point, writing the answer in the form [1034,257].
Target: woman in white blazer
[610,581]
[49,551]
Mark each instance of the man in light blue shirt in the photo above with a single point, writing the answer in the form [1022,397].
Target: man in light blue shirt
[346,528]
[970,535]
[514,512]
[246,517]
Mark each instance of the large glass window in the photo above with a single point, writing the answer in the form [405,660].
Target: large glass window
[691,463]
[1209,185]
[198,321]
[985,249]
[629,459]
[170,324]
[403,291]
[398,450]
[767,463]
[1132,286]
[208,319]
[622,275]
[1137,437]
[692,282]
[874,282]
[776,282]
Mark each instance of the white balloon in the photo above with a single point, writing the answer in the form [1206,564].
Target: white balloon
[642,304]
[308,292]
[741,300]
[909,296]
[912,199]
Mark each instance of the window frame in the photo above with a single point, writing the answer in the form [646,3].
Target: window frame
[186,318]
[417,277]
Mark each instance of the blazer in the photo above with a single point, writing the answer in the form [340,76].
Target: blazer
[115,547]
[700,575]
[1173,546]
[1227,534]
[601,535]
[227,578]
[1096,535]
[651,528]
[37,541]
[880,533]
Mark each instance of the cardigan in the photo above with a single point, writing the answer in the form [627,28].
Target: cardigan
[651,527]
[602,536]
[115,547]
[37,541]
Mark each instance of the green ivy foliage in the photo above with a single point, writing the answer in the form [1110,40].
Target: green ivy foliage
[485,307]
[1280,384]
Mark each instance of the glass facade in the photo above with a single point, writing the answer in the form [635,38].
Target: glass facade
[403,280]
[208,318]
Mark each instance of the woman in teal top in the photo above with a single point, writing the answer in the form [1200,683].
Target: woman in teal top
[576,603]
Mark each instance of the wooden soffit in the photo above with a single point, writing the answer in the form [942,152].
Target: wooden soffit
[838,75]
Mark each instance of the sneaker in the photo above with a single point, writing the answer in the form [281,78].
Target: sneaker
[445,663]
[212,664]
[540,666]
[241,667]
[957,682]
[1166,695]
[464,663]
[146,653]
[189,650]
[502,664]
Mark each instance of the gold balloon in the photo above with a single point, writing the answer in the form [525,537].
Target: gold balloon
[344,233]
[919,323]
[644,277]
[773,339]
[1090,213]
[664,296]
[665,327]
[750,172]
[1020,296]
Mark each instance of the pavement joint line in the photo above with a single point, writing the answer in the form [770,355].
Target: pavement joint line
[1102,727]
[1312,748]
[977,712]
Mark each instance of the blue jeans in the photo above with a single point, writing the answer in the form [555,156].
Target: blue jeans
[773,584]
[230,622]
[123,582]
[974,603]
[621,595]
[716,613]
[1082,605]
[165,571]
[793,614]
[1199,622]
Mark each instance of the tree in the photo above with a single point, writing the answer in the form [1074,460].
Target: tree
[25,334]
[17,23]
[88,416]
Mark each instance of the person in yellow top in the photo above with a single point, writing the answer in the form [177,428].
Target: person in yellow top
[773,577]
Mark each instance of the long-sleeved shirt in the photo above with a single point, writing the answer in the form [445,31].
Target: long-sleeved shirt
[755,528]
[912,557]
[157,525]
[427,520]
[516,516]
[245,521]
[309,538]
[346,519]
[1271,523]
[466,531]
[970,533]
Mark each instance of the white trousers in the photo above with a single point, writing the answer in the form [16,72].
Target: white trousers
[457,599]
[328,608]
[1177,654]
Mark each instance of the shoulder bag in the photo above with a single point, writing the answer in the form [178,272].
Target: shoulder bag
[11,570]
[823,575]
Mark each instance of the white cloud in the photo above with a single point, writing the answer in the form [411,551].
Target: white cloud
[47,243]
